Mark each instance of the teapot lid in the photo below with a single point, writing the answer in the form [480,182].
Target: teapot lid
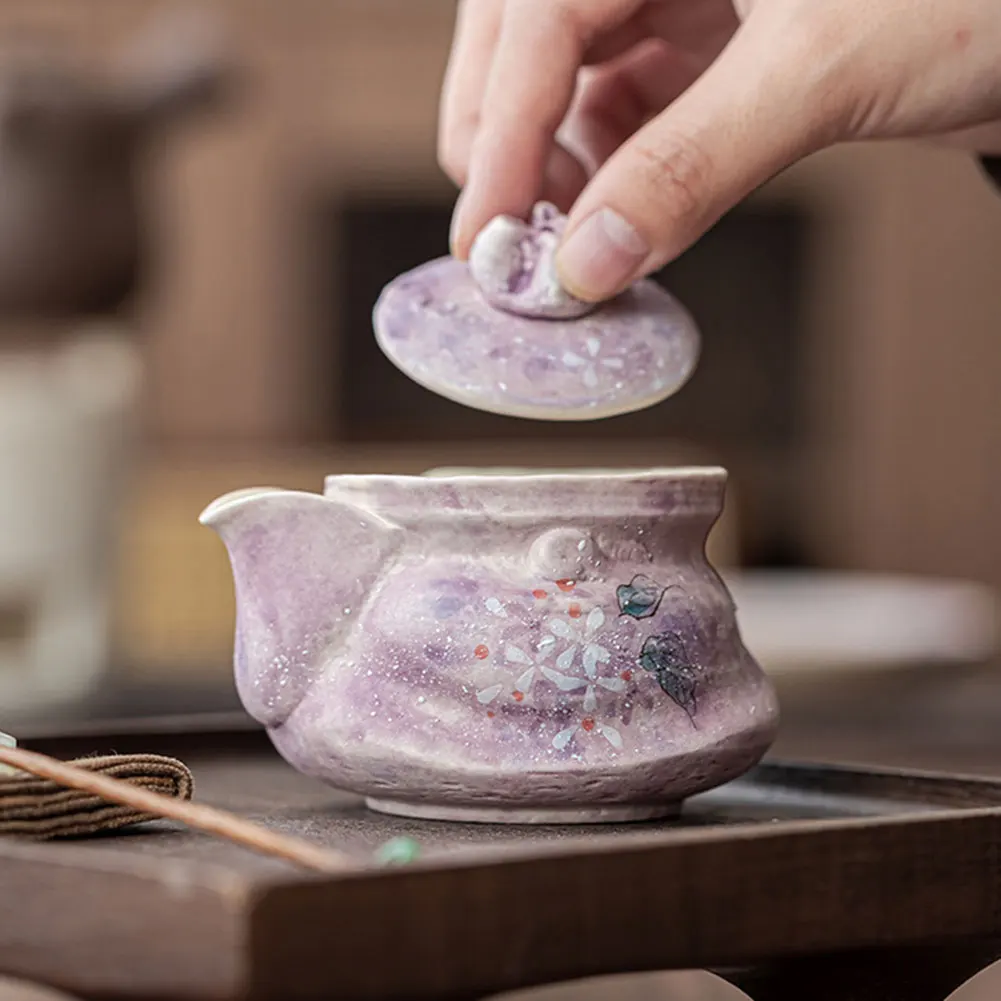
[527,348]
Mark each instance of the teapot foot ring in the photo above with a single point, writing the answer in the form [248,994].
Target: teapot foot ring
[612,814]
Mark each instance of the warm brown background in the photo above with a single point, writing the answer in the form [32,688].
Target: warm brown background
[901,465]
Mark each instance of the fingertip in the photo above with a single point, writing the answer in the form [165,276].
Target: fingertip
[473,210]
[563,180]
[568,284]
[601,255]
[458,247]
[467,221]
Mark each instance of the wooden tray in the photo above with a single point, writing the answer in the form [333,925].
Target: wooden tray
[795,882]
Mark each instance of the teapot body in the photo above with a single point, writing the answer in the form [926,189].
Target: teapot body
[537,648]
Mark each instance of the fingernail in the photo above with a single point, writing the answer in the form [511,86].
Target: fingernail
[600,256]
[453,233]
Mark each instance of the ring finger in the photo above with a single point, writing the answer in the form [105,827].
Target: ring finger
[616,99]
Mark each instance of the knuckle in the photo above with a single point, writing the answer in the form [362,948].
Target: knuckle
[675,176]
[577,18]
[569,14]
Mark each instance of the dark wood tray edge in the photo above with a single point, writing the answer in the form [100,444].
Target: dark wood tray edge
[692,898]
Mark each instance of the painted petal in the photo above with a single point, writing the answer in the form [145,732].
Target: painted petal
[593,346]
[611,735]
[613,363]
[489,694]
[680,685]
[515,655]
[612,684]
[640,598]
[590,377]
[665,657]
[571,360]
[546,644]
[562,681]
[524,683]
[561,629]
[590,700]
[664,652]
[563,738]
[593,656]
[496,608]
[595,620]
[565,660]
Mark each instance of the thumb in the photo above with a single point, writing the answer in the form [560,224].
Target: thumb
[745,119]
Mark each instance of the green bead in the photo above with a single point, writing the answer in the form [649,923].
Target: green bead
[399,851]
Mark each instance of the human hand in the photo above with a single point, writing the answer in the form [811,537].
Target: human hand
[652,118]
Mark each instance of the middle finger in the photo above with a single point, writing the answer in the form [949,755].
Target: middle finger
[477,28]
[619,97]
[540,50]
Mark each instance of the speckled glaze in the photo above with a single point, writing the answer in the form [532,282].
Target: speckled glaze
[435,324]
[514,264]
[524,648]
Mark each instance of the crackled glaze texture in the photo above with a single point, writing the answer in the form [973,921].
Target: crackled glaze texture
[524,648]
[514,265]
[437,325]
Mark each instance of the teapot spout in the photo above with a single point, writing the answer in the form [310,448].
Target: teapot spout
[302,566]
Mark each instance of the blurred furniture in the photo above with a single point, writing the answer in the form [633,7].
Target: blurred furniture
[850,385]
[813,623]
[73,244]
[67,429]
[796,882]
[889,390]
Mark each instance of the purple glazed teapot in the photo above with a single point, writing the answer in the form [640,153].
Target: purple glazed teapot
[522,648]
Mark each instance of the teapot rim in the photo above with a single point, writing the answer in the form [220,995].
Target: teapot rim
[504,475]
[658,492]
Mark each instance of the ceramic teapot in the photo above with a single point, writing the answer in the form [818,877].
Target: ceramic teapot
[522,648]
[71,240]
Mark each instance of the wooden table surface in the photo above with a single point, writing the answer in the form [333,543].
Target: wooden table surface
[944,719]
[940,719]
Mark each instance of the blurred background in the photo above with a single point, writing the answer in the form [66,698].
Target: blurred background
[851,313]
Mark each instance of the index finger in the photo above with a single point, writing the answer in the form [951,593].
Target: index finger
[531,85]
[477,28]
